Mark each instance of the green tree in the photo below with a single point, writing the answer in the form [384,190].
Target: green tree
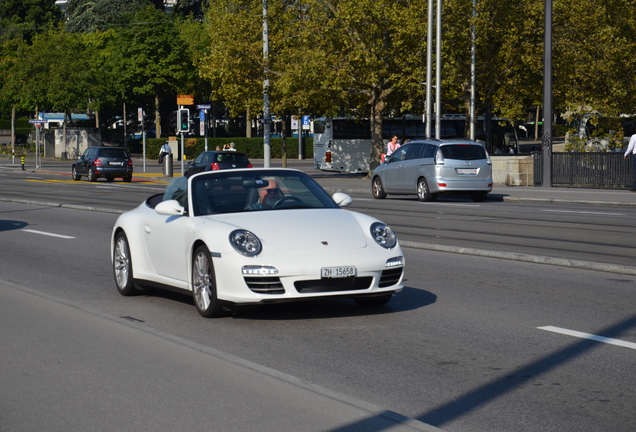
[22,19]
[91,15]
[153,59]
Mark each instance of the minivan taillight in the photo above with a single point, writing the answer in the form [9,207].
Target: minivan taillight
[215,166]
[439,157]
[130,163]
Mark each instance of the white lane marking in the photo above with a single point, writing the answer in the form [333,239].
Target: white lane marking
[48,234]
[589,336]
[453,204]
[584,212]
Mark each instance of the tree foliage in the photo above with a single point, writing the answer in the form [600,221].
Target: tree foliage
[22,19]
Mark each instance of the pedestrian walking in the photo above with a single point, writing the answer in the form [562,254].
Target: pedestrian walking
[631,148]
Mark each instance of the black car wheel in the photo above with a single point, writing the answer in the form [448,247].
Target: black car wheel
[91,175]
[128,179]
[204,284]
[74,174]
[378,189]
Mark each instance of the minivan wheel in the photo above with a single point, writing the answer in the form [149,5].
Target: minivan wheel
[378,189]
[423,193]
[479,196]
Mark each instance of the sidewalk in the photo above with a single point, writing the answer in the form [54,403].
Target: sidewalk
[358,184]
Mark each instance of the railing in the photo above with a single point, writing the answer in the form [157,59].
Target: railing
[601,170]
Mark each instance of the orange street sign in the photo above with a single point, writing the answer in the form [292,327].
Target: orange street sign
[185,99]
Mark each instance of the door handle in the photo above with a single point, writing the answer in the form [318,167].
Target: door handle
[147,229]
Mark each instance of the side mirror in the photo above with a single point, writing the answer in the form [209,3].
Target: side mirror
[342,199]
[170,208]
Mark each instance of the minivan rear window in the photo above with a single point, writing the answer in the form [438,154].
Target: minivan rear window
[463,152]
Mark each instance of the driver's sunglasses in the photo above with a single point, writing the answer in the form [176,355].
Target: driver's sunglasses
[273,191]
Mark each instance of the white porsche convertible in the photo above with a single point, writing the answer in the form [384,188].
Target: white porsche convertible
[257,236]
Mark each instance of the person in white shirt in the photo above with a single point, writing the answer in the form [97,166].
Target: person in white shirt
[631,148]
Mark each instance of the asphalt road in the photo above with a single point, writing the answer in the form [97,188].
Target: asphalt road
[472,344]
[557,233]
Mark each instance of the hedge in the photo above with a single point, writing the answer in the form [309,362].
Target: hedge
[252,147]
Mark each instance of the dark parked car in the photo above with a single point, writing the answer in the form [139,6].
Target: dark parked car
[107,162]
[218,160]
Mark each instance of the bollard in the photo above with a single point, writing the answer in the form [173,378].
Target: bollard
[22,163]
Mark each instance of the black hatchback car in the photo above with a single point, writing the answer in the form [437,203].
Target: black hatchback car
[107,162]
[218,160]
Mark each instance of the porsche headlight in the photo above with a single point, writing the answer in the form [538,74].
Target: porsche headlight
[383,235]
[245,243]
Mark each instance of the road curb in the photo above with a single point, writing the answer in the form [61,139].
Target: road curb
[537,259]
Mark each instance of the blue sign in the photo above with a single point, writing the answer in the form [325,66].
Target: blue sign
[202,115]
[305,122]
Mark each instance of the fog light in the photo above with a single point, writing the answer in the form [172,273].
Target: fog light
[252,270]
[394,262]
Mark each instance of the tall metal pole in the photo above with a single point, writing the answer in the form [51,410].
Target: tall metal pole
[473,73]
[266,114]
[547,97]
[438,73]
[429,67]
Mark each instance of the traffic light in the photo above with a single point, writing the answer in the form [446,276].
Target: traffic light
[183,120]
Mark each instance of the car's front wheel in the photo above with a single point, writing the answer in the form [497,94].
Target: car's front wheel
[74,174]
[204,284]
[374,301]
[122,266]
[423,192]
[378,189]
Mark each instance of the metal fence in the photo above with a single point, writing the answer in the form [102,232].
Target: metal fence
[603,170]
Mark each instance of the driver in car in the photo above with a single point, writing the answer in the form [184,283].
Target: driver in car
[267,196]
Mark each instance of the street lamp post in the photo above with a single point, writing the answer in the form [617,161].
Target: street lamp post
[266,113]
[547,97]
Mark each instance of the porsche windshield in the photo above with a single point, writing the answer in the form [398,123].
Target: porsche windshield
[259,190]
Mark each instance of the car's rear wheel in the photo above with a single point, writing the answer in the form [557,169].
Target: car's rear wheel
[91,175]
[423,192]
[204,284]
[74,174]
[479,196]
[374,301]
[378,189]
[128,179]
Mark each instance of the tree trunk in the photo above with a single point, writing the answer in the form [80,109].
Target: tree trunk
[377,101]
[284,140]
[248,124]
[157,116]
[125,124]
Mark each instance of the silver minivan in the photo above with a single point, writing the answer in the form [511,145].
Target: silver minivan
[429,168]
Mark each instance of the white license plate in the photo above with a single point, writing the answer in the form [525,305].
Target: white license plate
[467,171]
[116,163]
[338,272]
